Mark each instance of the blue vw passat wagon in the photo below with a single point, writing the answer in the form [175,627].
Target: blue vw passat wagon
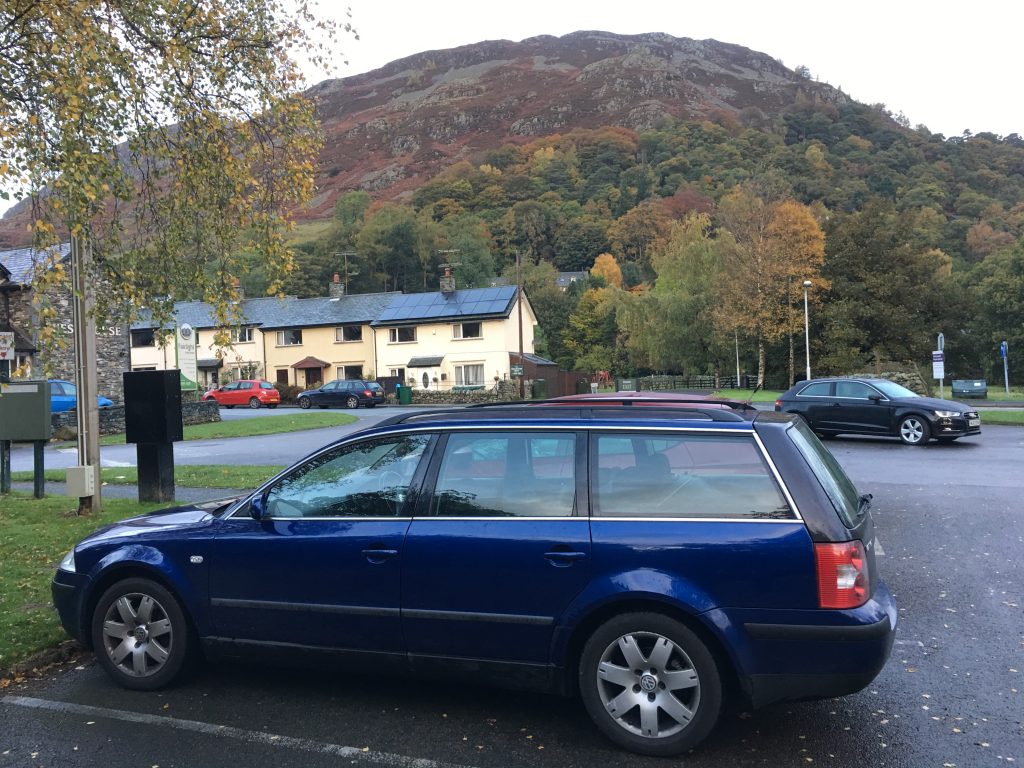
[647,560]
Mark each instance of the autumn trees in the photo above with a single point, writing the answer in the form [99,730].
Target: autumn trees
[171,134]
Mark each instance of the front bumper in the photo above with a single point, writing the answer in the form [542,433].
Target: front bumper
[68,590]
[957,426]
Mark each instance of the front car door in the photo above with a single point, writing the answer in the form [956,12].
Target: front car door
[497,553]
[322,568]
[857,412]
[226,393]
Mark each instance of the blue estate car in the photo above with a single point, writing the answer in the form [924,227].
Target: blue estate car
[645,561]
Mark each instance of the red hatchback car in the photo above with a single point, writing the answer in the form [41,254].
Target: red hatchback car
[251,392]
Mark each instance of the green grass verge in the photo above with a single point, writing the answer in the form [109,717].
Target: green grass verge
[34,535]
[263,425]
[761,396]
[185,475]
[1000,416]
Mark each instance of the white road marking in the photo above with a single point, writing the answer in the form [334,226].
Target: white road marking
[878,548]
[226,731]
[917,643]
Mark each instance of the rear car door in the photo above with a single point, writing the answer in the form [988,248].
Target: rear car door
[322,569]
[497,552]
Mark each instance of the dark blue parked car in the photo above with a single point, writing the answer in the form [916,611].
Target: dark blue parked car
[640,560]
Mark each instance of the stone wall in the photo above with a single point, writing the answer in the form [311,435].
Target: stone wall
[65,425]
[503,391]
[111,344]
[910,380]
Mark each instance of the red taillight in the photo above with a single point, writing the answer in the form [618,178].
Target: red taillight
[842,574]
[778,405]
[368,392]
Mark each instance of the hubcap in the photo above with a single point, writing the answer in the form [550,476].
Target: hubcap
[648,685]
[912,430]
[137,635]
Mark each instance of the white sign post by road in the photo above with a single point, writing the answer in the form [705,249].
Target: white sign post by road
[6,346]
[939,368]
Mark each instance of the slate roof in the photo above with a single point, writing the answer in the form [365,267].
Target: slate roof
[474,303]
[20,262]
[427,361]
[270,312]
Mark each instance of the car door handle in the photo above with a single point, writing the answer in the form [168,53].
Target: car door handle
[562,559]
[379,555]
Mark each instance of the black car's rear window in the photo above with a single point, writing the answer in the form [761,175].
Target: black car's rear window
[839,488]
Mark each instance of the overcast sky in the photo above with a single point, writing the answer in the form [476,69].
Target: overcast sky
[951,66]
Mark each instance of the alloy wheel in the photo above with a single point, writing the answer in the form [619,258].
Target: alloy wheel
[137,635]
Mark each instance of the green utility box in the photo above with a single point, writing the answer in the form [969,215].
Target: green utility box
[25,411]
[404,394]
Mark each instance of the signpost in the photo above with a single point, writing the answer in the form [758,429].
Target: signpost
[6,353]
[6,349]
[185,352]
[1004,352]
[939,362]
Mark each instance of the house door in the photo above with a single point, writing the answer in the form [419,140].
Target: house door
[314,377]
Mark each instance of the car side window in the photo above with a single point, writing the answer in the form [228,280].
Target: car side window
[511,474]
[245,385]
[329,386]
[854,389]
[367,479]
[687,476]
[56,388]
[817,389]
[230,387]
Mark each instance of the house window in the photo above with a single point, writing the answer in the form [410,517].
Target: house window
[349,333]
[289,338]
[469,374]
[350,371]
[467,331]
[23,364]
[282,376]
[402,335]
[399,373]
[241,335]
[143,337]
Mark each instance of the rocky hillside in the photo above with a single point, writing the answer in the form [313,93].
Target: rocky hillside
[390,130]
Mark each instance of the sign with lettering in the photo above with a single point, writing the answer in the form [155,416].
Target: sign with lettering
[6,345]
[938,364]
[185,349]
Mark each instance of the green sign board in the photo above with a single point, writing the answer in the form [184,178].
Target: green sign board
[517,370]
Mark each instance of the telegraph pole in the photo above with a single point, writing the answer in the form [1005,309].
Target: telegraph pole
[82,300]
[519,306]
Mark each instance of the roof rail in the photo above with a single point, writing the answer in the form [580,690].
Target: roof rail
[624,400]
[566,410]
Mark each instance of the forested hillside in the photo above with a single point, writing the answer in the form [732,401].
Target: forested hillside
[711,227]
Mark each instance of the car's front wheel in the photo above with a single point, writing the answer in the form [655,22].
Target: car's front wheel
[650,684]
[352,402]
[140,634]
[304,403]
[914,430]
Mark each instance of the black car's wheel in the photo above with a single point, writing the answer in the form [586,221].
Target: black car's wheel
[304,403]
[352,402]
[650,684]
[913,430]
[140,634]
[254,402]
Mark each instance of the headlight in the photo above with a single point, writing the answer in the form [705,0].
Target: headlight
[68,563]
[947,414]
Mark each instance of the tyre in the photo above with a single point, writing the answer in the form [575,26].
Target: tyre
[352,402]
[304,403]
[254,402]
[140,634]
[913,430]
[650,684]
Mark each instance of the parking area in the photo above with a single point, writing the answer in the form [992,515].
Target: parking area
[951,531]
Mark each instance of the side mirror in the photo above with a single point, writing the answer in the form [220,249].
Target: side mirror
[258,507]
[875,398]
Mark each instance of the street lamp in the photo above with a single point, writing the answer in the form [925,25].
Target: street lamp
[807,330]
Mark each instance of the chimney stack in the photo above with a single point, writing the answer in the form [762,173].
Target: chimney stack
[239,290]
[336,288]
[447,280]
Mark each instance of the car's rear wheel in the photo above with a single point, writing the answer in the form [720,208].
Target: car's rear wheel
[140,634]
[914,430]
[352,402]
[304,403]
[650,684]
[254,402]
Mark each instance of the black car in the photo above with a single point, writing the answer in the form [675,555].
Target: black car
[349,393]
[878,407]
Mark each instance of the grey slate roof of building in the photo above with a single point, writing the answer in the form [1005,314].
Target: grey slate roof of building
[20,262]
[270,312]
[468,303]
